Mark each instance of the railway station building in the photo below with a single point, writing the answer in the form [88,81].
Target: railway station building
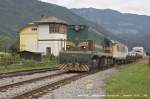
[45,35]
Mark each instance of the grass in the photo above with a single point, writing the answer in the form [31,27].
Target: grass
[14,68]
[131,82]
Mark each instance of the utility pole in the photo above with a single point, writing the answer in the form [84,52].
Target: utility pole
[149,60]
[148,54]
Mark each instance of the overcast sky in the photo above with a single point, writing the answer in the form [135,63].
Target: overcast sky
[126,6]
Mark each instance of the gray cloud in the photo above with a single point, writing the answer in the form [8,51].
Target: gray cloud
[125,6]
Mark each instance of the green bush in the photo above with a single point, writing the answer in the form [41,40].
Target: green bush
[49,58]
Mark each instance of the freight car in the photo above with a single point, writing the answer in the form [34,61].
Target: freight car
[119,52]
[86,50]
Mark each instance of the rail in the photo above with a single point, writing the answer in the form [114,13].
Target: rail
[26,72]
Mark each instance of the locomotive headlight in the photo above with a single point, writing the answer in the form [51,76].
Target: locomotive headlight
[68,46]
[84,47]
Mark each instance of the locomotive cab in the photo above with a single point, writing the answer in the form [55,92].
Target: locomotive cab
[77,55]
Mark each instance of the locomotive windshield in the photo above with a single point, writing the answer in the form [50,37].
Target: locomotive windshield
[82,45]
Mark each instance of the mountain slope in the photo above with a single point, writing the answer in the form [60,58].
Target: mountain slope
[16,13]
[130,28]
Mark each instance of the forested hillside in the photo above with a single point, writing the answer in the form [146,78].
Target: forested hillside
[16,13]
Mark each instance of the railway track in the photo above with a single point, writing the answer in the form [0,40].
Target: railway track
[40,86]
[36,93]
[6,87]
[26,72]
[38,89]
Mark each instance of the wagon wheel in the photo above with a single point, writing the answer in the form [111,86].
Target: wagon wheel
[95,62]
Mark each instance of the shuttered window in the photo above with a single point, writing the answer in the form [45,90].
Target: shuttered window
[57,28]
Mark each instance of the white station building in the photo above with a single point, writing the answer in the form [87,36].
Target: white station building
[46,35]
[52,32]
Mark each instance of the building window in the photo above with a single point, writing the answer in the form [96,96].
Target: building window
[54,28]
[34,29]
[57,28]
[51,28]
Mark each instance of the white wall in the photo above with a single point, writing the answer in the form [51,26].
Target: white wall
[43,31]
[45,40]
[54,45]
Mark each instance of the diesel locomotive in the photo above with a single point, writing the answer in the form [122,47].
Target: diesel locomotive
[86,50]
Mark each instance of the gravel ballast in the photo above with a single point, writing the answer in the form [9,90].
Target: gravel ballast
[15,79]
[28,87]
[90,87]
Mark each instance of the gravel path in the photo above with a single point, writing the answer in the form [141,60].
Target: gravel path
[90,87]
[6,81]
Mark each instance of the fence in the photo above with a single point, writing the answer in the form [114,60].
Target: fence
[8,59]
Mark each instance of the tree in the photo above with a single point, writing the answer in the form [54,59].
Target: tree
[14,48]
[3,41]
